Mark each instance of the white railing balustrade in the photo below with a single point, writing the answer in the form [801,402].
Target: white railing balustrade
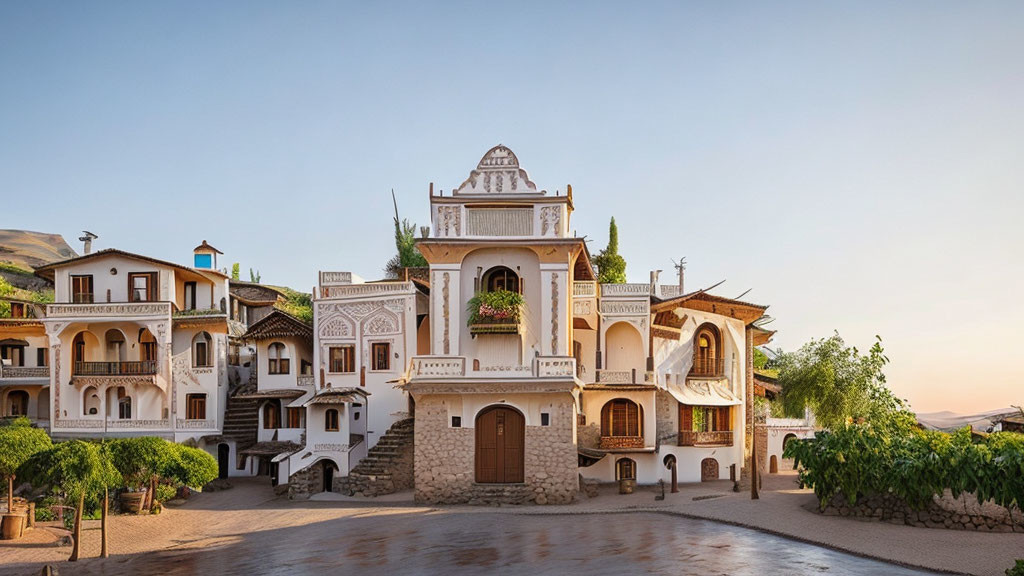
[584,289]
[554,366]
[625,289]
[434,366]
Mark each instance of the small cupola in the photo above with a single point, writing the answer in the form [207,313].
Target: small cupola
[205,256]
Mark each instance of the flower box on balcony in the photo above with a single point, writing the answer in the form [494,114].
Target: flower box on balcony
[495,312]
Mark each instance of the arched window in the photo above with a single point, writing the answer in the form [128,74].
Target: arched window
[625,469]
[271,416]
[124,404]
[78,348]
[147,344]
[277,359]
[202,356]
[17,403]
[331,420]
[91,401]
[621,417]
[116,350]
[501,278]
[707,351]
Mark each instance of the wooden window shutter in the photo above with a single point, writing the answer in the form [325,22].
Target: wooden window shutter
[685,418]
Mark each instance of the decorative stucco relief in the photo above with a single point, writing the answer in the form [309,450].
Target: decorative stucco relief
[550,219]
[444,299]
[554,314]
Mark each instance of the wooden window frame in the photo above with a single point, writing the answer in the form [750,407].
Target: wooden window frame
[42,357]
[151,280]
[329,426]
[189,289]
[274,422]
[293,417]
[77,295]
[17,310]
[347,359]
[278,365]
[620,416]
[195,406]
[207,358]
[374,347]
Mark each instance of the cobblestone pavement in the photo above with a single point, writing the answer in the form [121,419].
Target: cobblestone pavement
[246,530]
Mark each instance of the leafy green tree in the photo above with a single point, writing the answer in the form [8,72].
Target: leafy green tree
[235,272]
[142,461]
[837,383]
[18,442]
[77,469]
[611,267]
[254,277]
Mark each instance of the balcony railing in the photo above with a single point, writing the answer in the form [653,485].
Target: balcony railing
[495,326]
[691,438]
[633,376]
[625,289]
[620,442]
[24,372]
[111,309]
[137,368]
[708,367]
[582,289]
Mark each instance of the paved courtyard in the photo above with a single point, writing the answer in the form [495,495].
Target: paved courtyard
[246,530]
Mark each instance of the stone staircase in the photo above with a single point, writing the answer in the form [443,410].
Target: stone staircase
[241,421]
[388,466]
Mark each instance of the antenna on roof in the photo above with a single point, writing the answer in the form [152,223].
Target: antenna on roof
[87,241]
[744,294]
[680,270]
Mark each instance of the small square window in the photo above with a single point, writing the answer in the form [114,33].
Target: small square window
[456,421]
[545,419]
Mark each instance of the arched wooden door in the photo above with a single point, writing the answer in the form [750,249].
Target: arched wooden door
[500,438]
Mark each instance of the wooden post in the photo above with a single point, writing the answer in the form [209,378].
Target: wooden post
[103,524]
[675,484]
[753,467]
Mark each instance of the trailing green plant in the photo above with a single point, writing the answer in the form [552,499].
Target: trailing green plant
[862,459]
[611,267]
[494,306]
[298,304]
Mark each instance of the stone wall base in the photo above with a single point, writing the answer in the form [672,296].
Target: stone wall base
[963,513]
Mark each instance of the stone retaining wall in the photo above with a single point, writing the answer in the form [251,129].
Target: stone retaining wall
[306,482]
[963,513]
[444,460]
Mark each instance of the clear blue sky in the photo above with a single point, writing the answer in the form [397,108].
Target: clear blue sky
[859,165]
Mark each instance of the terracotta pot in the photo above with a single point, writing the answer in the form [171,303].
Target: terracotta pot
[13,526]
[132,501]
[626,486]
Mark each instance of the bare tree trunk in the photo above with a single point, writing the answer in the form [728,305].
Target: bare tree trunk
[76,544]
[103,523]
[10,494]
[152,492]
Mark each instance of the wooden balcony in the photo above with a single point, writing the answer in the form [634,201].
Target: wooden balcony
[707,367]
[24,372]
[621,442]
[134,368]
[691,438]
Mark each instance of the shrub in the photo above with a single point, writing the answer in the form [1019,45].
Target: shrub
[1017,570]
[915,465]
[191,466]
[165,492]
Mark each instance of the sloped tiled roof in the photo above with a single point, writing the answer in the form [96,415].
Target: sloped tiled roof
[279,324]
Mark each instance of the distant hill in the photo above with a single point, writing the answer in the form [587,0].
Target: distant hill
[31,250]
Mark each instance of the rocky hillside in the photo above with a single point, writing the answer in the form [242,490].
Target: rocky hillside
[30,250]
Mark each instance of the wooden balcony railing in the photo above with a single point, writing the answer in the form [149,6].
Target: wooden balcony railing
[135,368]
[24,372]
[620,442]
[691,438]
[708,367]
[495,326]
